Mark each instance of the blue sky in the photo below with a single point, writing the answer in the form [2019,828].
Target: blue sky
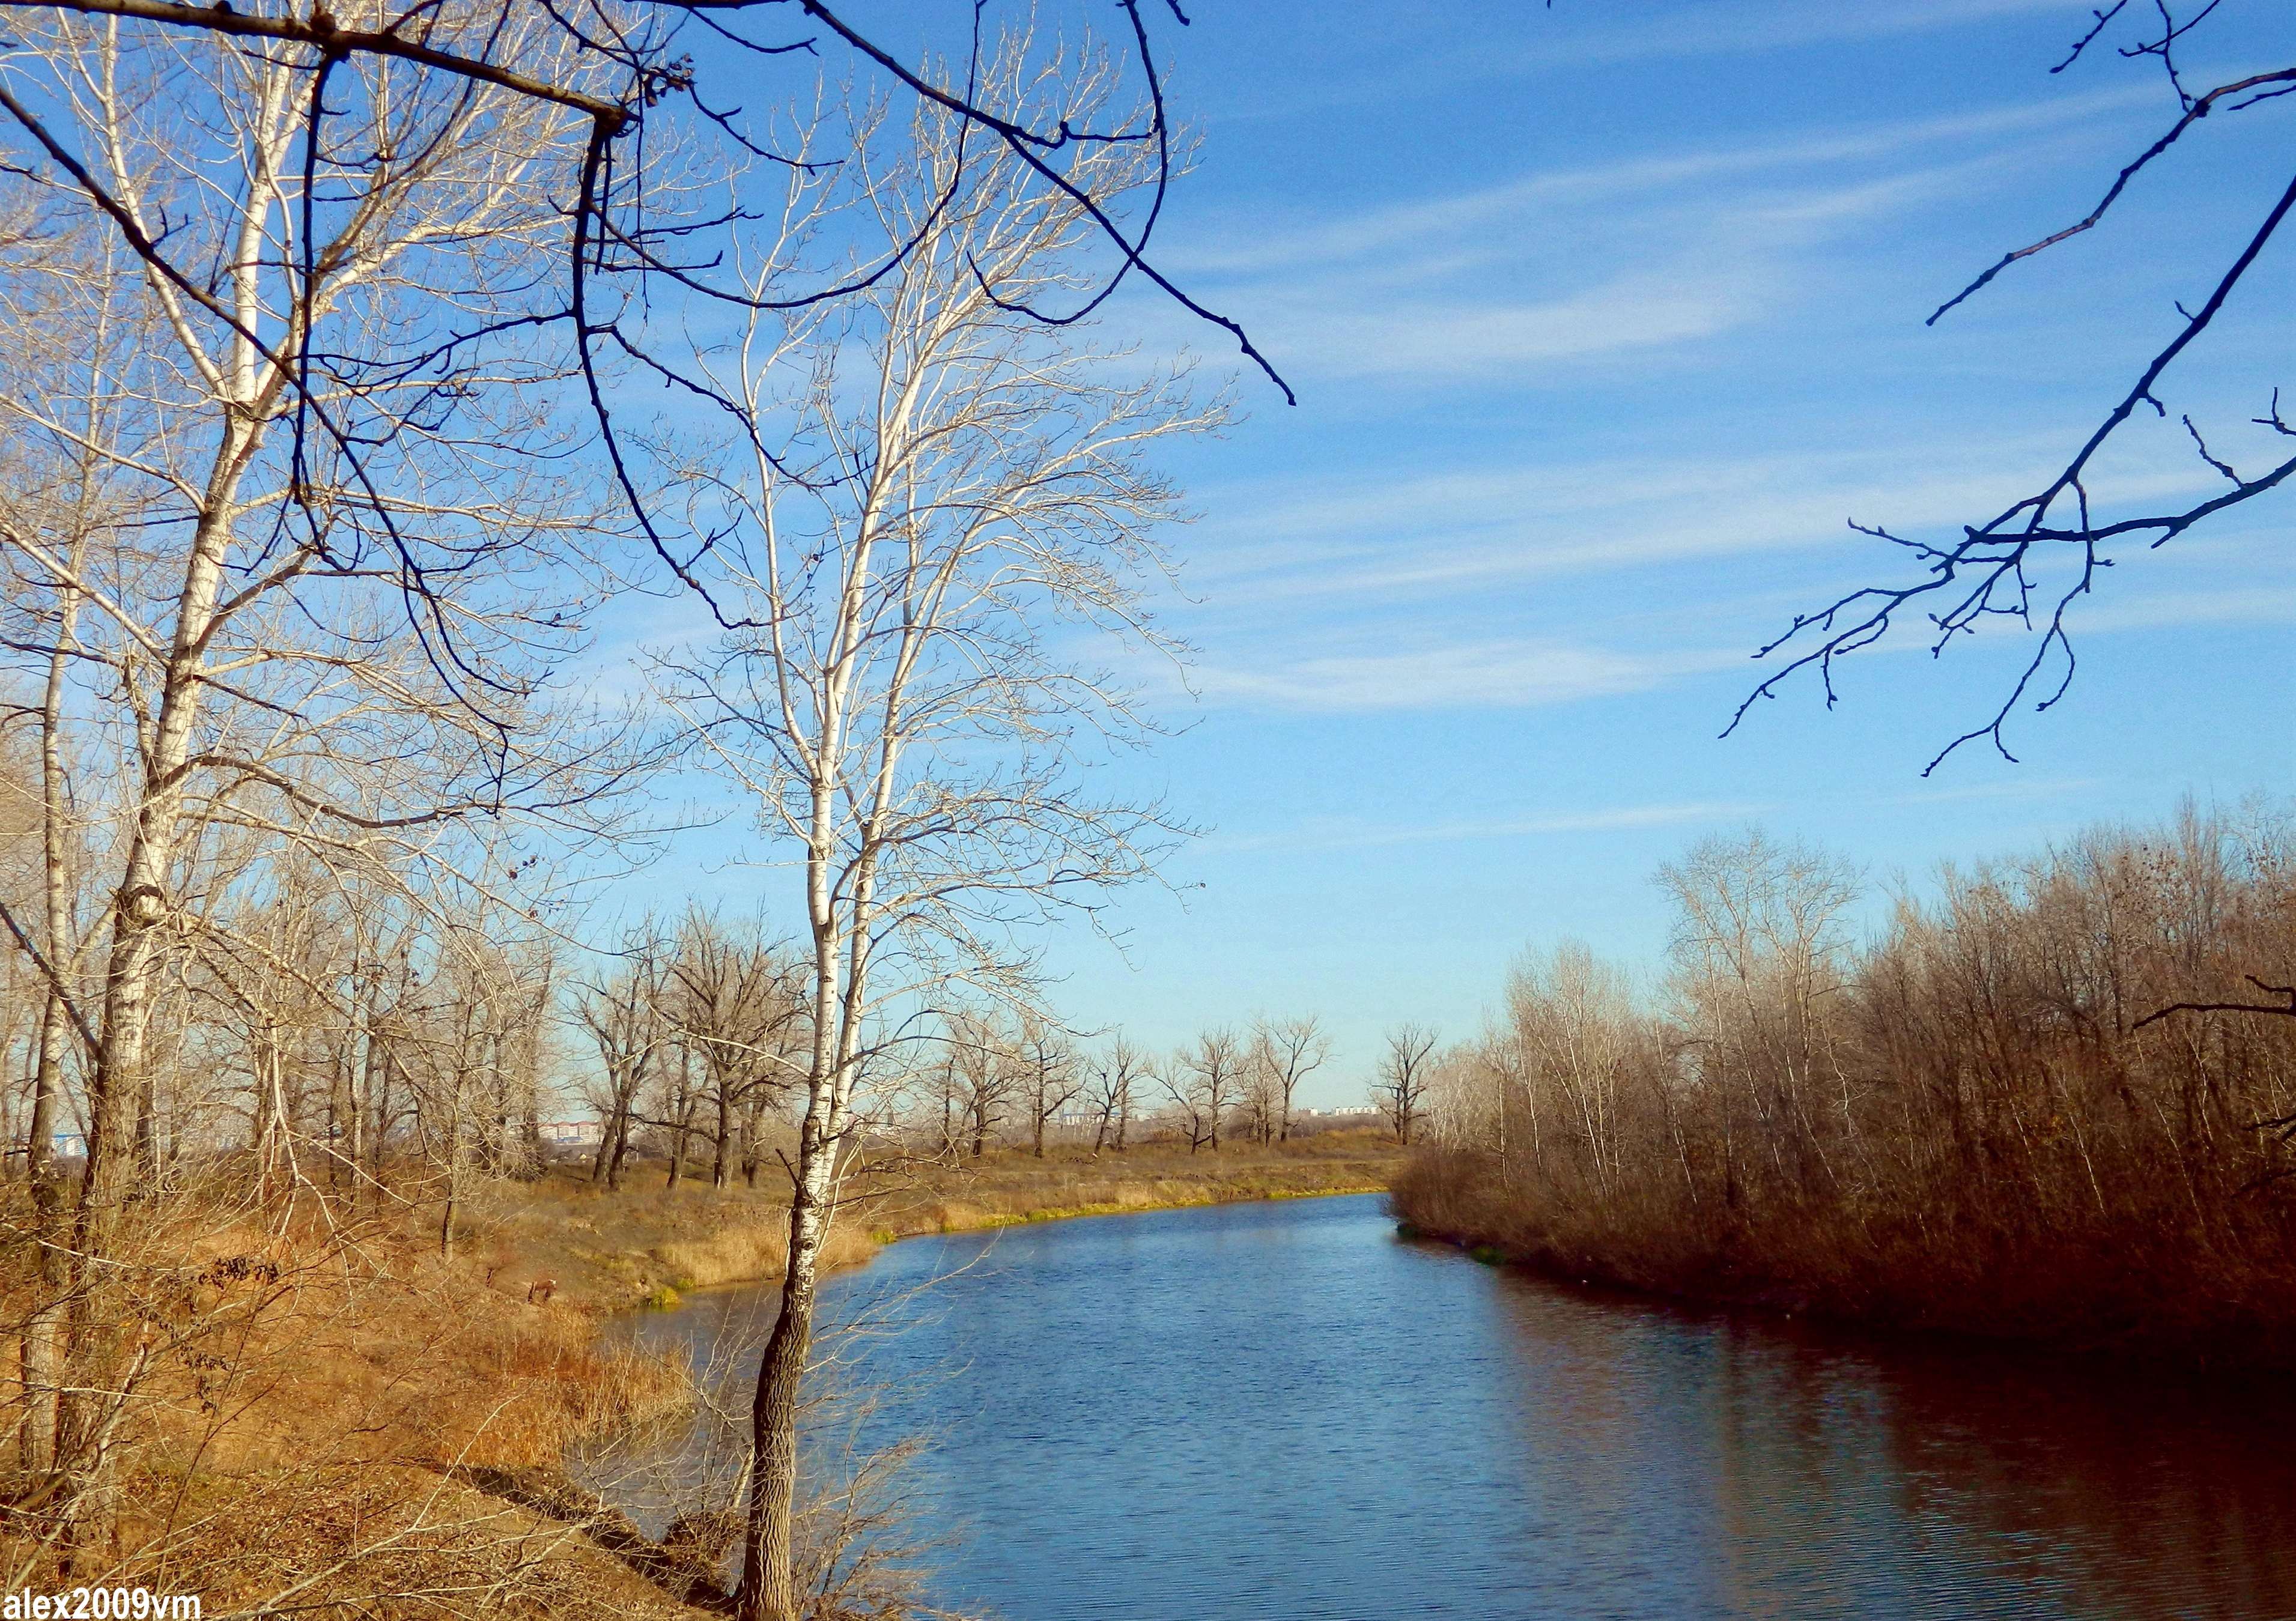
[1603,318]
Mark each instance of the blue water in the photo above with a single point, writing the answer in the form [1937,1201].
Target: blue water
[1284,1411]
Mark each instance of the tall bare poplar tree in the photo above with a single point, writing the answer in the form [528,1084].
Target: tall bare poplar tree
[1116,1075]
[1406,1072]
[933,492]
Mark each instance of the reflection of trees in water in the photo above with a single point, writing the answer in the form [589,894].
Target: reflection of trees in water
[1771,1468]
[2134,1494]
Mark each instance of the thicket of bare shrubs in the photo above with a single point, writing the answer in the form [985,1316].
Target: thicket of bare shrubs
[1970,1122]
[312,1410]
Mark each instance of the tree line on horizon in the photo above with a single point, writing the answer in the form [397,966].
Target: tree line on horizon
[699,1030]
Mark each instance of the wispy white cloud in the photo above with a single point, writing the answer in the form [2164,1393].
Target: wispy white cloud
[1730,26]
[1452,226]
[1288,664]
[1348,836]
[1343,835]
[1530,282]
[1481,526]
[1492,674]
[1406,51]
[1331,332]
[2014,788]
[2253,603]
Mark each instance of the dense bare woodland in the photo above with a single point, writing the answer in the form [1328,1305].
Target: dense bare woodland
[1987,1118]
[313,485]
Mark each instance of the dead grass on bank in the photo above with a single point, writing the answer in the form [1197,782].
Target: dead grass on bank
[310,1394]
[1007,1185]
[608,1251]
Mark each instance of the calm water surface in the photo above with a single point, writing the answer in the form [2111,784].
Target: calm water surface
[1283,1410]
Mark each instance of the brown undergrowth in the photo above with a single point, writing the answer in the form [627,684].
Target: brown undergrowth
[313,1399]
[1986,1121]
[606,1251]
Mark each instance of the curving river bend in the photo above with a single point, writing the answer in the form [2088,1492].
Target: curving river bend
[1284,1411]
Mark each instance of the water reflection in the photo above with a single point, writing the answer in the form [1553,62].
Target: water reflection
[1282,1410]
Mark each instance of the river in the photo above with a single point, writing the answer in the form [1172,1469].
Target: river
[1284,1411]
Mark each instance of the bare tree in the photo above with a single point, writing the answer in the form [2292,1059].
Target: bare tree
[737,1003]
[1204,1081]
[61,332]
[1050,1076]
[1287,1050]
[275,674]
[945,1095]
[1566,1055]
[924,486]
[1115,1077]
[1184,1103]
[980,1075]
[674,1112]
[469,1052]
[614,81]
[624,1018]
[1259,1112]
[1405,1072]
[1762,950]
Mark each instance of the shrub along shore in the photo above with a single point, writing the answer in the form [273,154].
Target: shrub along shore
[1993,1117]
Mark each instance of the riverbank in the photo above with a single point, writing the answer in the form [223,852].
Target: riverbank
[321,1398]
[2043,1105]
[649,1244]
[1151,1417]
[340,1396]
[2135,1297]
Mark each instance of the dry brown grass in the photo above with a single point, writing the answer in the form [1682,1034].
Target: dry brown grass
[753,1250]
[301,1430]
[608,1251]
[1009,1185]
